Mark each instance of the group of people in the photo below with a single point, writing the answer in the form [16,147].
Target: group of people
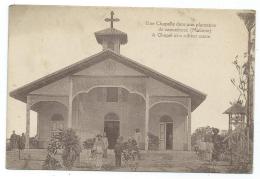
[17,141]
[121,149]
[209,149]
[204,149]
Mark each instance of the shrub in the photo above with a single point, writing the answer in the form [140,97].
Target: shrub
[130,154]
[51,163]
[68,141]
[71,148]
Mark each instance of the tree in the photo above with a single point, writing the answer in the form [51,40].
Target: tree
[248,18]
[202,133]
[241,82]
[245,86]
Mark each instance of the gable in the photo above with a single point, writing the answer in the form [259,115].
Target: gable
[109,67]
[157,88]
[60,87]
[131,67]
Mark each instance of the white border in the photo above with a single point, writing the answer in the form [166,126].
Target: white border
[220,4]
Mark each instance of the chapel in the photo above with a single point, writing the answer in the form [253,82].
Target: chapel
[108,92]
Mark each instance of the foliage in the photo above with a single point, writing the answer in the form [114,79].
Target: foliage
[241,83]
[202,133]
[71,147]
[51,163]
[153,143]
[68,142]
[248,18]
[237,140]
[130,153]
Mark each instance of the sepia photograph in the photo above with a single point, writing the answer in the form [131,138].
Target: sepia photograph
[130,89]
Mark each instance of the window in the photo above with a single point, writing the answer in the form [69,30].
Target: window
[112,94]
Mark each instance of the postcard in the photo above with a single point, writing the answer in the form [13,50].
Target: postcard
[130,89]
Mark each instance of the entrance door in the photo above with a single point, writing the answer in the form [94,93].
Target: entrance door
[162,136]
[166,133]
[169,137]
[111,128]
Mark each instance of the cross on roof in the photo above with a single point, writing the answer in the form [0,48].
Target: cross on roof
[111,19]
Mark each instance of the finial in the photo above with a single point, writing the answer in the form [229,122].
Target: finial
[111,19]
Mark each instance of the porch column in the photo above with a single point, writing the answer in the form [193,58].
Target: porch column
[146,121]
[70,103]
[38,125]
[27,133]
[189,125]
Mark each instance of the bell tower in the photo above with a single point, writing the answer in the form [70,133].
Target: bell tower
[111,38]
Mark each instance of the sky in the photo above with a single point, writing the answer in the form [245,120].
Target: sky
[44,39]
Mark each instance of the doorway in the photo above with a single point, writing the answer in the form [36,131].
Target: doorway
[169,137]
[112,129]
[166,133]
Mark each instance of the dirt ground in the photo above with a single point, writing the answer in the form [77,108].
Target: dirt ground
[166,161]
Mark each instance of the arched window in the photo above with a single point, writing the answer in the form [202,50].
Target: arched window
[57,123]
[111,117]
[166,118]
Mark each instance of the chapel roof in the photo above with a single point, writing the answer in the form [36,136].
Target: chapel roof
[21,93]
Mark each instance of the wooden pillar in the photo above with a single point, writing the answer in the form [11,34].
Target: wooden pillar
[38,125]
[229,123]
[27,133]
[70,103]
[146,121]
[189,125]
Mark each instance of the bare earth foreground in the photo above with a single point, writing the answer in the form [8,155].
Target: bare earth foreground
[167,161]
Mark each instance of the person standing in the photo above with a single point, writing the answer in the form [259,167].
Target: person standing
[99,151]
[137,138]
[23,141]
[13,141]
[118,151]
[105,141]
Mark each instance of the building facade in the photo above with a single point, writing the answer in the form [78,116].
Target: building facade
[108,92]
